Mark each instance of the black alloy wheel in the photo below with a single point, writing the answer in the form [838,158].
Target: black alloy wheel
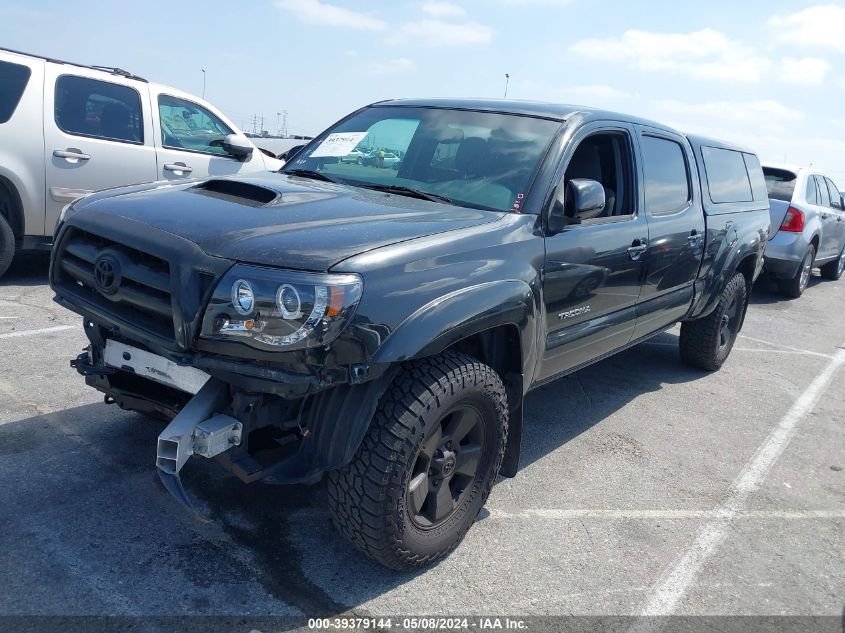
[445,467]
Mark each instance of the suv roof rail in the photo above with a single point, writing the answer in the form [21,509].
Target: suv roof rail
[108,69]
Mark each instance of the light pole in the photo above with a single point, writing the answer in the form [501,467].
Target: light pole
[285,123]
[203,82]
[278,124]
[507,78]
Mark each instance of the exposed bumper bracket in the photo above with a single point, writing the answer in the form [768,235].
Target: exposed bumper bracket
[177,442]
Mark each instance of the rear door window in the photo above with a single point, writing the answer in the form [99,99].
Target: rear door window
[98,109]
[835,201]
[667,184]
[13,80]
[780,183]
[824,196]
[727,177]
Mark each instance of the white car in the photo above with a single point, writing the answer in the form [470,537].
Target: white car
[355,156]
[67,130]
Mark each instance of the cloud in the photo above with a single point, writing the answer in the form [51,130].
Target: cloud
[806,71]
[441,33]
[525,3]
[821,25]
[443,9]
[399,66]
[316,12]
[705,54]
[730,120]
[597,93]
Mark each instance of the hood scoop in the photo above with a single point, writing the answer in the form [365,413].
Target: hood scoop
[236,191]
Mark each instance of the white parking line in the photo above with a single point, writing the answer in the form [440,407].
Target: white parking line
[46,330]
[785,348]
[779,349]
[554,514]
[674,584]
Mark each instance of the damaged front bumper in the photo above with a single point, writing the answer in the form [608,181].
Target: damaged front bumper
[253,431]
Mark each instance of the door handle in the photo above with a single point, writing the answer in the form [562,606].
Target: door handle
[185,169]
[71,153]
[637,248]
[693,238]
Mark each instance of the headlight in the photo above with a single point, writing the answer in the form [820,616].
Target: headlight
[276,309]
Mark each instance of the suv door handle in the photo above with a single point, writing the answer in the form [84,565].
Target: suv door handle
[185,169]
[637,248]
[693,238]
[71,153]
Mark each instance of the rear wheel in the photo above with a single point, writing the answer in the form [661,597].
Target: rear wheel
[796,286]
[7,245]
[427,463]
[834,270]
[706,343]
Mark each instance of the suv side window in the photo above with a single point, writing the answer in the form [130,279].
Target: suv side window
[812,191]
[13,80]
[606,157]
[824,196]
[727,176]
[98,109]
[667,181]
[188,126]
[834,194]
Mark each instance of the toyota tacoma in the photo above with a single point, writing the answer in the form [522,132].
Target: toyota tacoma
[381,327]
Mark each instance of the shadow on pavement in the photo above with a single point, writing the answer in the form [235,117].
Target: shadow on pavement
[27,269]
[87,527]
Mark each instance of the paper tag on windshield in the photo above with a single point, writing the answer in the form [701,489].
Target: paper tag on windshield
[338,144]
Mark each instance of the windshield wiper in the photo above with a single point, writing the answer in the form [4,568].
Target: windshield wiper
[310,173]
[402,190]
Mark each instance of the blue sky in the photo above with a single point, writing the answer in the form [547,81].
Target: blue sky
[768,75]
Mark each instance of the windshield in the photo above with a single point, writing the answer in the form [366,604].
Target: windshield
[474,159]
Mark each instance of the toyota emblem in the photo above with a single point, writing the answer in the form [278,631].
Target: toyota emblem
[107,274]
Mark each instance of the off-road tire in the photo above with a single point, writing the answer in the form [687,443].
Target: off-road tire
[367,498]
[700,343]
[834,269]
[7,244]
[795,287]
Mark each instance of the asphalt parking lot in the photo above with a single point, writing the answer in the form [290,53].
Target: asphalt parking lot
[646,487]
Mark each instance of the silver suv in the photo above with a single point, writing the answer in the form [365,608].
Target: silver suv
[808,227]
[67,130]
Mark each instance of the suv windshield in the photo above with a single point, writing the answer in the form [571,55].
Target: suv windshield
[475,159]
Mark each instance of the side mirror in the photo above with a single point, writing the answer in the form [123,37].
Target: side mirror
[237,146]
[582,200]
[293,151]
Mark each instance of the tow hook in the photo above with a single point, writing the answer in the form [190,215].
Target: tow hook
[196,430]
[85,367]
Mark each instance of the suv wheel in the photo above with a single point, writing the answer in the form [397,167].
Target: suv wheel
[427,463]
[834,270]
[7,245]
[796,286]
[705,343]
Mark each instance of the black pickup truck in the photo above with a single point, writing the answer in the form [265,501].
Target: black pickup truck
[380,324]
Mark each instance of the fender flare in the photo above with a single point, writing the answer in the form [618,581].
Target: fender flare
[714,291]
[446,320]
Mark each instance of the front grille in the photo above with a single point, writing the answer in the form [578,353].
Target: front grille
[118,279]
